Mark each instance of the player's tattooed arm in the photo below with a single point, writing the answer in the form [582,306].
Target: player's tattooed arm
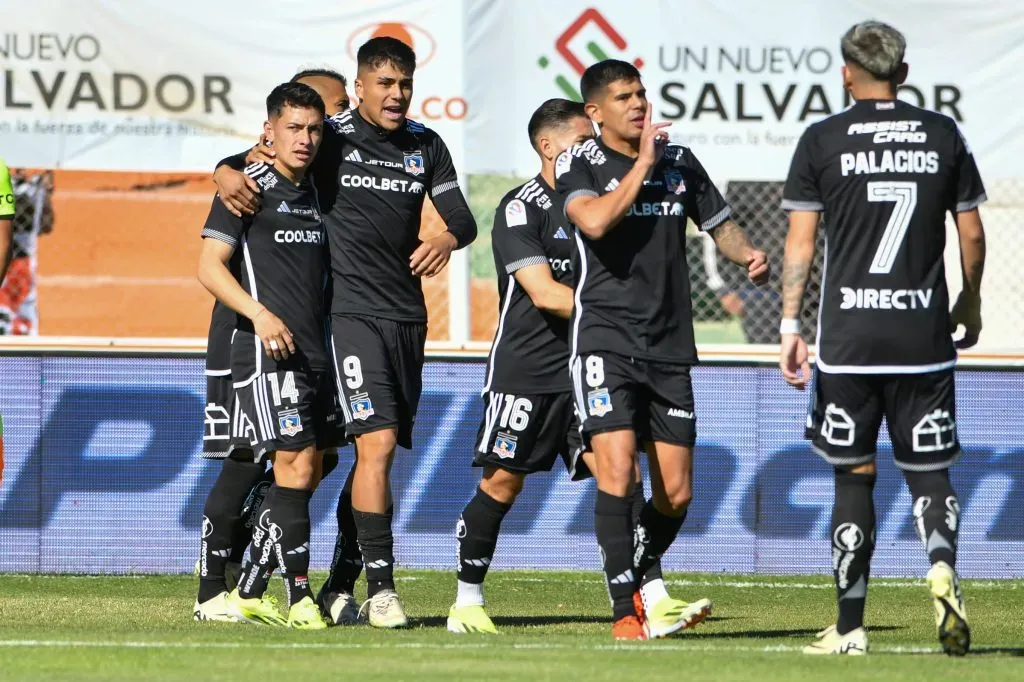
[735,245]
[796,263]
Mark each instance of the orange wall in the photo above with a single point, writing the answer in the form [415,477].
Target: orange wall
[121,259]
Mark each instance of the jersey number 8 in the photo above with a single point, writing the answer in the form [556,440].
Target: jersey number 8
[595,370]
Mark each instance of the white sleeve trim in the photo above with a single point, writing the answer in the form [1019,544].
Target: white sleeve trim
[792,205]
[574,195]
[716,220]
[443,187]
[220,236]
[964,206]
[525,262]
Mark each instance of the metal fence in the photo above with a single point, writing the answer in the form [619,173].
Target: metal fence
[727,309]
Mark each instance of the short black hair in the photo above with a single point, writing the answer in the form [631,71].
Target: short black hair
[602,74]
[316,73]
[376,52]
[555,112]
[293,94]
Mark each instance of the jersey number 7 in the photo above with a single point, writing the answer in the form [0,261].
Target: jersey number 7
[904,194]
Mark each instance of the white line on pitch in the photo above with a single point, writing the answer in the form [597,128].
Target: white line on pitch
[343,646]
[973,584]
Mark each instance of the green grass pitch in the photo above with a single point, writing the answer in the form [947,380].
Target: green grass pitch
[554,627]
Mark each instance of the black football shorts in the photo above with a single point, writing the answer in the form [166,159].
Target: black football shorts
[526,433]
[920,409]
[379,372]
[615,392]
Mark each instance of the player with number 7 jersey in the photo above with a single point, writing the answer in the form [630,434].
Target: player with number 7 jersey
[884,174]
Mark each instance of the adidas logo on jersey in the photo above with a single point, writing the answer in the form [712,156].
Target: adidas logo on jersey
[560,233]
[354,157]
[611,185]
[283,208]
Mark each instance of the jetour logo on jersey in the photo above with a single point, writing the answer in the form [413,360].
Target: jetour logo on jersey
[885,299]
[382,184]
[561,264]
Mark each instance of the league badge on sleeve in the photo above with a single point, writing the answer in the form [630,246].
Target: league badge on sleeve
[562,164]
[413,164]
[515,213]
[289,423]
[362,406]
[504,445]
[599,403]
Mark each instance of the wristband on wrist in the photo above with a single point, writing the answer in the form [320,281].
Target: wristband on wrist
[789,326]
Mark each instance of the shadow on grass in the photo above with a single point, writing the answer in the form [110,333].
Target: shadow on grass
[517,621]
[997,650]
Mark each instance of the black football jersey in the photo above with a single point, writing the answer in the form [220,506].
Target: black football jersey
[284,265]
[633,285]
[530,353]
[884,174]
[372,185]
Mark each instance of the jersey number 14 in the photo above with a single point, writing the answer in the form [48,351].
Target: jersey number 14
[904,194]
